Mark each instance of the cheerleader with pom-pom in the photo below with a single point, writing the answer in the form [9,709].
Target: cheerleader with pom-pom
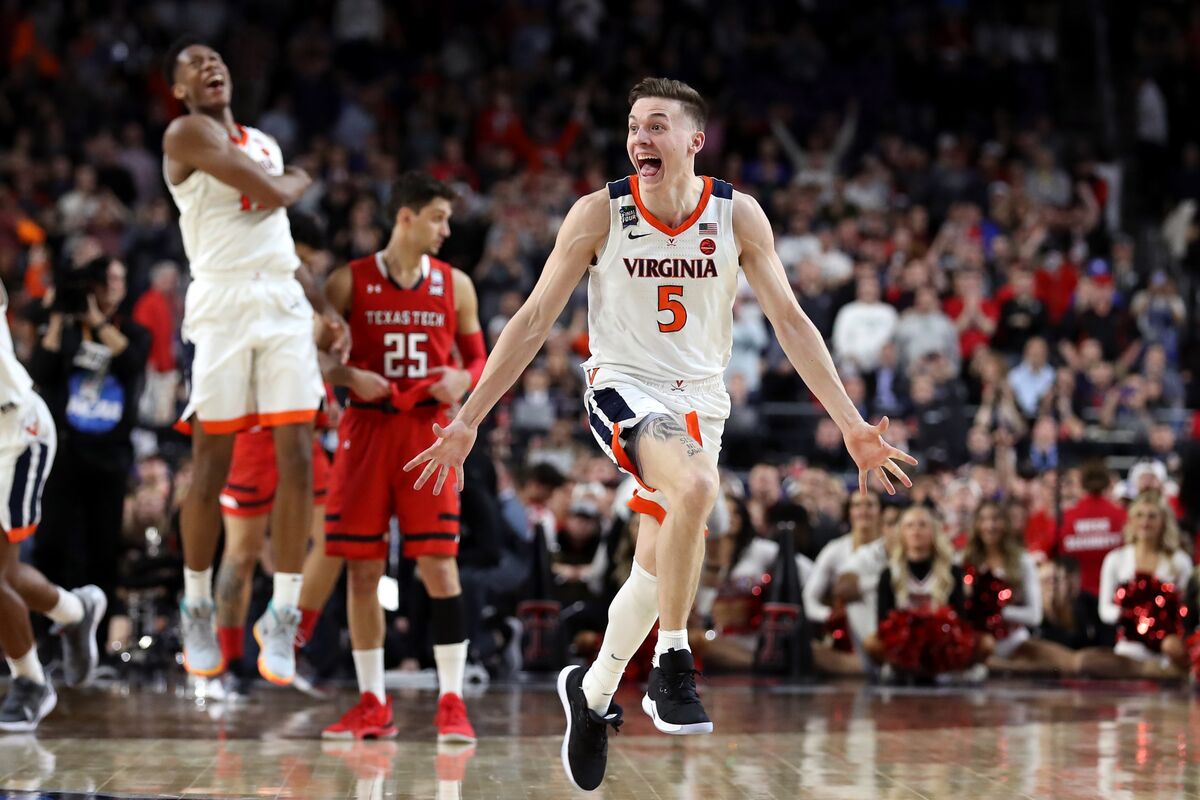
[1141,587]
[1003,595]
[920,603]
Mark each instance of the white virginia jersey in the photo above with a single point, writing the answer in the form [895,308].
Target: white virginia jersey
[224,233]
[660,299]
[15,383]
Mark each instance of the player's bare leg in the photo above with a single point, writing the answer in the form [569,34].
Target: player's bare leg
[449,623]
[276,630]
[677,466]
[199,527]
[76,616]
[372,717]
[30,697]
[244,539]
[321,574]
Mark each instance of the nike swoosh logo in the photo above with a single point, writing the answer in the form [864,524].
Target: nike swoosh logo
[639,236]
[614,658]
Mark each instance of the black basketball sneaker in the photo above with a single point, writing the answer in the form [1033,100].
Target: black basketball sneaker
[585,744]
[671,699]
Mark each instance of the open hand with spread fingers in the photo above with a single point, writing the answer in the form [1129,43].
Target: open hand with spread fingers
[872,454]
[444,456]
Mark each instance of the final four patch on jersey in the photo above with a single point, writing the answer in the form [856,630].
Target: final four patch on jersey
[629,217]
[436,286]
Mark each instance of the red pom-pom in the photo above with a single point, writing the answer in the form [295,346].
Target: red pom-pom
[986,597]
[1150,611]
[927,642]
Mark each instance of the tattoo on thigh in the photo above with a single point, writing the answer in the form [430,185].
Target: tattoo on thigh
[664,428]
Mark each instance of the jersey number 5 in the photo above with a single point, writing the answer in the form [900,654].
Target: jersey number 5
[667,302]
[405,362]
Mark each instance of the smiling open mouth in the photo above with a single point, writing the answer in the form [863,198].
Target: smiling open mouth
[648,165]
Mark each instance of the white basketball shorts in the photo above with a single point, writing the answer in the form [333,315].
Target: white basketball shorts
[616,402]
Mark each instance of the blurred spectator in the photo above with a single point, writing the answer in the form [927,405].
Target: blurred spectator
[1089,530]
[863,327]
[924,330]
[89,367]
[160,311]
[1033,378]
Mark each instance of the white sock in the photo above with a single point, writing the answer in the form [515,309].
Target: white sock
[449,790]
[631,615]
[27,666]
[68,610]
[368,666]
[451,662]
[670,640]
[287,589]
[197,586]
[706,598]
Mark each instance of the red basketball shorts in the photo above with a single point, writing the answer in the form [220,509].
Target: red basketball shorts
[250,488]
[369,485]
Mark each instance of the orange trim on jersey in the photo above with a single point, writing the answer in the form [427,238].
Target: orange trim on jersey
[654,221]
[245,136]
[622,459]
[640,505]
[21,534]
[693,427]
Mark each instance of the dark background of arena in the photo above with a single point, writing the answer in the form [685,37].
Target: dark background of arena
[911,141]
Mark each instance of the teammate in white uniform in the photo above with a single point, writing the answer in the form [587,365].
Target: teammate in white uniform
[661,250]
[255,361]
[27,444]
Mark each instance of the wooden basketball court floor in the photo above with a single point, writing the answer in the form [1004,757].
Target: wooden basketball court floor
[844,741]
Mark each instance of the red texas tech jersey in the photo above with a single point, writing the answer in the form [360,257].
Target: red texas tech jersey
[399,333]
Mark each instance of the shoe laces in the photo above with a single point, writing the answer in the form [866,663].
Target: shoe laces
[595,727]
[451,712]
[359,712]
[684,685]
[20,695]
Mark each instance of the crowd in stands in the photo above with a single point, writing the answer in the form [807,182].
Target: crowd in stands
[998,264]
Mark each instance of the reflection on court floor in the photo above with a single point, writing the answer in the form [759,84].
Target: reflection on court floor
[846,742]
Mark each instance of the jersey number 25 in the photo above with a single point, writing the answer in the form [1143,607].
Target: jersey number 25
[401,361]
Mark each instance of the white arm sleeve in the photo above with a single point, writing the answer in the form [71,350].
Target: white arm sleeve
[1028,613]
[1110,612]
[817,588]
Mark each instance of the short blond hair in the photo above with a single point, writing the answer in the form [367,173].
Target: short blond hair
[671,89]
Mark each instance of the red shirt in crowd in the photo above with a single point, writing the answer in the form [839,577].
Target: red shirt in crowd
[972,337]
[1090,529]
[153,311]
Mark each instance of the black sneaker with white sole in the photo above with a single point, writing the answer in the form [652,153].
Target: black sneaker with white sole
[80,653]
[26,704]
[585,744]
[671,699]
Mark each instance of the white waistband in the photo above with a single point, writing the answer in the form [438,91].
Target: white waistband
[709,384]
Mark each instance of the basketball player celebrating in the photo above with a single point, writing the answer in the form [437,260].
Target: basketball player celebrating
[407,312]
[248,497]
[661,249]
[255,361]
[27,444]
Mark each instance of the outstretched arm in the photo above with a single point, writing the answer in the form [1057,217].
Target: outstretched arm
[199,143]
[579,239]
[806,349]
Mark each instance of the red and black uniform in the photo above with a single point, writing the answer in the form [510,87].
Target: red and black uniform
[253,473]
[401,334]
